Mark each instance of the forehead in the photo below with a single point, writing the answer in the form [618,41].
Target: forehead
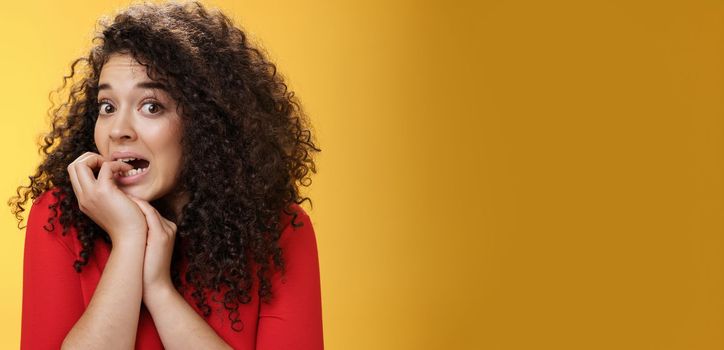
[123,66]
[122,73]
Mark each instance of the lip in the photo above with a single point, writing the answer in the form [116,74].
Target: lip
[126,154]
[130,180]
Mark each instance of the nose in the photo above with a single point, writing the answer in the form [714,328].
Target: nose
[122,128]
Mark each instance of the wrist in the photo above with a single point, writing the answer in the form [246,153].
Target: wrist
[153,294]
[129,245]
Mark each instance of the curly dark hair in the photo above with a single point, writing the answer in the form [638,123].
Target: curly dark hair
[239,118]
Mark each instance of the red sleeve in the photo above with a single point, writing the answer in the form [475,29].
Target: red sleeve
[52,299]
[293,318]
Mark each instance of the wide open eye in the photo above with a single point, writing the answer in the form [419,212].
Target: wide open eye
[105,108]
[152,107]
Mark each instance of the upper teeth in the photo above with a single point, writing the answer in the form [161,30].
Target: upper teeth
[126,159]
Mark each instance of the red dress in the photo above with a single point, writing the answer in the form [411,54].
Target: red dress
[55,296]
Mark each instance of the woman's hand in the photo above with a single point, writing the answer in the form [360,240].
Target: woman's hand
[102,201]
[159,250]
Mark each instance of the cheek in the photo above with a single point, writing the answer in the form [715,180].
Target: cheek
[174,145]
[174,161]
[167,143]
[172,165]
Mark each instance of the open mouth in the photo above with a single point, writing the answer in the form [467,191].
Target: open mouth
[139,166]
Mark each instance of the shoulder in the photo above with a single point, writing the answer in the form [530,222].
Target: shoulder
[298,243]
[297,229]
[295,218]
[43,220]
[294,215]
[44,206]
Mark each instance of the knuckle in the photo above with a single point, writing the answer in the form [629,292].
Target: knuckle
[159,238]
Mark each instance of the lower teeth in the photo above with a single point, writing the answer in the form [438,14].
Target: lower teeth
[134,172]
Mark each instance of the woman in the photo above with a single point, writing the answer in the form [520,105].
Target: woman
[166,211]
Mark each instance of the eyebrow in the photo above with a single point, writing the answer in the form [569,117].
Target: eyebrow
[142,85]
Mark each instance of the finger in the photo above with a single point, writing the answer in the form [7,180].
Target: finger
[163,219]
[168,225]
[83,168]
[152,218]
[76,178]
[110,168]
[74,181]
[171,225]
[84,156]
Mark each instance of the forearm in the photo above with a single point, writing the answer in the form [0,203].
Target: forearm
[178,324]
[111,319]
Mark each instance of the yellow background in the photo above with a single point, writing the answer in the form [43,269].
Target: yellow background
[505,175]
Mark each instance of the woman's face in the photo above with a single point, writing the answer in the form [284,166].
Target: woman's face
[138,119]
